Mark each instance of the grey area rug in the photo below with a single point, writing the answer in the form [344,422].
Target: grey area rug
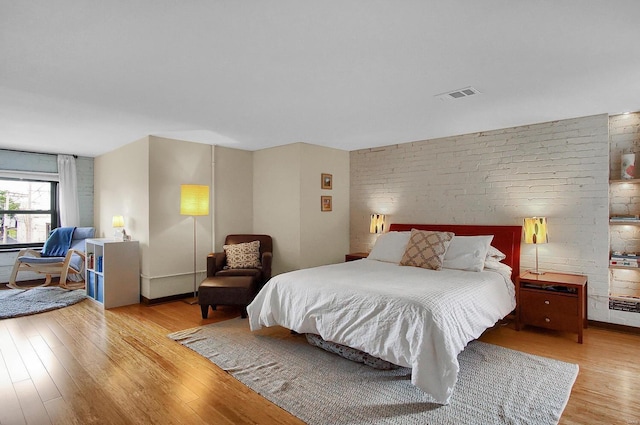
[495,385]
[22,302]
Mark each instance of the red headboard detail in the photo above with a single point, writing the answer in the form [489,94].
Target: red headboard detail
[505,238]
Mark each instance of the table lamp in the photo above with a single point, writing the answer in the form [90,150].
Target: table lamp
[535,232]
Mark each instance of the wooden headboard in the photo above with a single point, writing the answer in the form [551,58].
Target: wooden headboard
[505,238]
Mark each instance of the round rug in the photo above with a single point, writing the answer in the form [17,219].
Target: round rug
[22,302]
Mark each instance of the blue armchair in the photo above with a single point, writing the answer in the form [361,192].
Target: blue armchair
[68,258]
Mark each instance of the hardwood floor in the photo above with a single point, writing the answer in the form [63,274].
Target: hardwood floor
[83,365]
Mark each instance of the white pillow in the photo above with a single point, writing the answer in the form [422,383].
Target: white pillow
[495,253]
[467,253]
[493,264]
[390,247]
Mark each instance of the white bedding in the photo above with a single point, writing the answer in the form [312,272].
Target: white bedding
[409,316]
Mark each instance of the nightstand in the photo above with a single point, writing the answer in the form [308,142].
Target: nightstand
[355,256]
[552,300]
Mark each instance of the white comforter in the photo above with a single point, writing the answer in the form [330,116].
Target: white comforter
[406,315]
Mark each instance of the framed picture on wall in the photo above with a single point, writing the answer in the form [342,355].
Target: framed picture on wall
[325,203]
[327,181]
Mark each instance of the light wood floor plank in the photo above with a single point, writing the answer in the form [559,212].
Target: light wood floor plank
[15,366]
[10,412]
[60,412]
[39,321]
[32,407]
[39,375]
[81,401]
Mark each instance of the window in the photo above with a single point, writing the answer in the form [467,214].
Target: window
[27,212]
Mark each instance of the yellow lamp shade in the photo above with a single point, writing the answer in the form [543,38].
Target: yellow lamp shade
[194,199]
[377,223]
[535,230]
[117,221]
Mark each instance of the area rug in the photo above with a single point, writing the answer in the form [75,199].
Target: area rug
[22,302]
[495,385]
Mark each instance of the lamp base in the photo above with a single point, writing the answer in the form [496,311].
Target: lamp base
[190,301]
[537,272]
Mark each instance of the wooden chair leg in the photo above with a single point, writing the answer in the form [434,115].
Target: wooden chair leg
[205,310]
[14,273]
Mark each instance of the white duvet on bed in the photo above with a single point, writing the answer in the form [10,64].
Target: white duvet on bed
[409,316]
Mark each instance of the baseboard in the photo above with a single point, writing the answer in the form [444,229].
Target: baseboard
[153,301]
[615,327]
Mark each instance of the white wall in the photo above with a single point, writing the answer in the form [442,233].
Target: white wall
[286,182]
[557,169]
[233,193]
[171,235]
[122,188]
[142,181]
[276,202]
[323,235]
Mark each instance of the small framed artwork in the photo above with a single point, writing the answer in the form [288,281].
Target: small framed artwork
[327,181]
[325,203]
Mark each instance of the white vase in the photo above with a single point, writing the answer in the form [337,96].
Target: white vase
[628,166]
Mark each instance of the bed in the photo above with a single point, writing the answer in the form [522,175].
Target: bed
[409,316]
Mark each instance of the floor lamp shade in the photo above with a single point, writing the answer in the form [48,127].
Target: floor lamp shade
[194,199]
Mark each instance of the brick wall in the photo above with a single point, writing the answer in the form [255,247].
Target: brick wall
[557,169]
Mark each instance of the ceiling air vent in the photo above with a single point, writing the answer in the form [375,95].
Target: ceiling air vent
[458,94]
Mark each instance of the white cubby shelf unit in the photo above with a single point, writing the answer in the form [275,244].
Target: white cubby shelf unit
[113,272]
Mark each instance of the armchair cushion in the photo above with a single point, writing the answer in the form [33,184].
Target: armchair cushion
[75,263]
[257,273]
[243,255]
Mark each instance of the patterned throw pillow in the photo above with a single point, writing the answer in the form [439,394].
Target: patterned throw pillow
[426,249]
[243,255]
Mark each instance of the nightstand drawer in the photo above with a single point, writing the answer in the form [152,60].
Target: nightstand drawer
[550,320]
[548,302]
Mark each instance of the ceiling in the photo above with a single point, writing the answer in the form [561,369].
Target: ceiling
[86,77]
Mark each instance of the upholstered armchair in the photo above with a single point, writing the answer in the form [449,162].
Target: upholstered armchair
[217,262]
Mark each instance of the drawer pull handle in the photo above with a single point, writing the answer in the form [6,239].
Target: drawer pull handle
[546,319]
[547,302]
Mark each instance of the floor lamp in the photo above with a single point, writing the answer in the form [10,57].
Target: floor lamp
[194,201]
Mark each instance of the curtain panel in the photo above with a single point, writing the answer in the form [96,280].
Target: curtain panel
[68,187]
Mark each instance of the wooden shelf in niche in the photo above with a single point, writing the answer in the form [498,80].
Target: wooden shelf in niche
[630,181]
[624,268]
[625,222]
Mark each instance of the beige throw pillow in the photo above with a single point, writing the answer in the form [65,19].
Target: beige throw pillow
[426,249]
[243,255]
